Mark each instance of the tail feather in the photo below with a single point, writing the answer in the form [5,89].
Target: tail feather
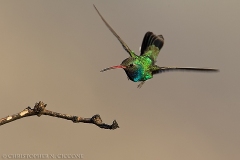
[151,39]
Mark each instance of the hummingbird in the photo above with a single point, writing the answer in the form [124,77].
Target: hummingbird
[141,68]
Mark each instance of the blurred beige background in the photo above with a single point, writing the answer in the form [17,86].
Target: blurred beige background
[53,51]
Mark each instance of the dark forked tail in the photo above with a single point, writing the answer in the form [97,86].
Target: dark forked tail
[151,39]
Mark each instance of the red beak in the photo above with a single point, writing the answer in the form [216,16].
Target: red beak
[113,67]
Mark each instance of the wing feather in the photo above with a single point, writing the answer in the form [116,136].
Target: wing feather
[115,34]
[164,69]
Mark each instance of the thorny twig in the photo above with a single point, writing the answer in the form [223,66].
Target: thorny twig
[40,109]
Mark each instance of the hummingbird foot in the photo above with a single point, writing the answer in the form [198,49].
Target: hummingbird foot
[141,84]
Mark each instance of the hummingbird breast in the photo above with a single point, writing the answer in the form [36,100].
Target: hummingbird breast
[135,76]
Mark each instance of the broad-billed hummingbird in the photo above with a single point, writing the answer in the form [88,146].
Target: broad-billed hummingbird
[141,68]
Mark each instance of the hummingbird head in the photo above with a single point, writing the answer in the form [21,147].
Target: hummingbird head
[131,66]
[126,64]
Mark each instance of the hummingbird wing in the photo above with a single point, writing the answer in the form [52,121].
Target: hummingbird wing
[158,69]
[149,41]
[131,53]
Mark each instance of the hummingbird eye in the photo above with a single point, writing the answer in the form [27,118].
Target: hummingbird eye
[131,65]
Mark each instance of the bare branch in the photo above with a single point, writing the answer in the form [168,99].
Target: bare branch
[40,109]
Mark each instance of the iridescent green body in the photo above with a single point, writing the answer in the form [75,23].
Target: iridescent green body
[142,67]
[142,71]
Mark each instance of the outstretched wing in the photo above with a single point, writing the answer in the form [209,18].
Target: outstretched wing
[151,45]
[115,34]
[164,69]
